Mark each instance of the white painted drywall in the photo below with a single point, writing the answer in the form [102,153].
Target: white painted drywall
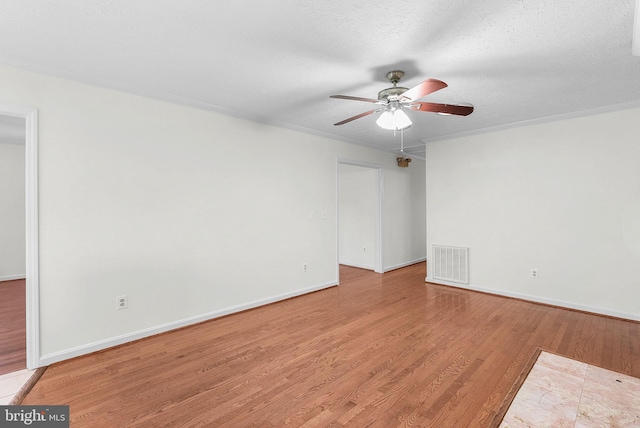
[357,215]
[12,214]
[404,232]
[188,212]
[562,197]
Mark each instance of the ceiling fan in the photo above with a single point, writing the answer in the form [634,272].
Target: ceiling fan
[394,100]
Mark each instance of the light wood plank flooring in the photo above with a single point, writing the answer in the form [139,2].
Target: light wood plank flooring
[378,350]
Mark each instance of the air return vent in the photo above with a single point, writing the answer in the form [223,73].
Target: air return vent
[450,264]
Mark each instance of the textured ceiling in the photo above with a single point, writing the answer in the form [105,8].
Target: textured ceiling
[278,61]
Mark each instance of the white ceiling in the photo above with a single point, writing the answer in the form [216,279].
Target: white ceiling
[277,61]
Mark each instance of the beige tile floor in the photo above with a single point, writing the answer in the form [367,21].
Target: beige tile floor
[561,392]
[11,383]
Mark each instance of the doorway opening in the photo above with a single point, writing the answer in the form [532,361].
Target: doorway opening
[359,202]
[28,117]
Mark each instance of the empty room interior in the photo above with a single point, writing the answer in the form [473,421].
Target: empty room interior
[315,213]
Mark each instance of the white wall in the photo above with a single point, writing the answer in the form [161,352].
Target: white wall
[12,214]
[190,213]
[561,196]
[357,215]
[404,231]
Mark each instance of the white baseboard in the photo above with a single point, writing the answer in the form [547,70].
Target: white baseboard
[12,277]
[537,299]
[356,265]
[401,265]
[55,357]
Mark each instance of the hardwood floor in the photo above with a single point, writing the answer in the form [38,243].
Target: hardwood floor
[378,350]
[13,339]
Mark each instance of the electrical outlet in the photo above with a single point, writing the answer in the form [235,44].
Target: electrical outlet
[534,273]
[122,302]
[305,266]
[364,249]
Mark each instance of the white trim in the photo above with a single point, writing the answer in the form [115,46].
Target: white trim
[12,277]
[377,250]
[198,104]
[377,260]
[538,121]
[355,265]
[55,357]
[363,164]
[405,264]
[30,115]
[537,299]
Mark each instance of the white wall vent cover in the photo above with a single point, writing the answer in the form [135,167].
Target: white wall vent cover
[450,264]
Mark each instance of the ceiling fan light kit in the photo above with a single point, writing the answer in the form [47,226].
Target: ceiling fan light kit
[394,120]
[394,100]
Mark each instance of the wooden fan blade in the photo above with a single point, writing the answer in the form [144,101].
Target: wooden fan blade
[366,113]
[347,97]
[443,108]
[425,88]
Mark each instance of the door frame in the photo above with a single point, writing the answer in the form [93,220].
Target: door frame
[30,115]
[377,250]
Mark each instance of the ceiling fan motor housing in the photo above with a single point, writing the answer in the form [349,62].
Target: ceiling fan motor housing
[394,91]
[393,77]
